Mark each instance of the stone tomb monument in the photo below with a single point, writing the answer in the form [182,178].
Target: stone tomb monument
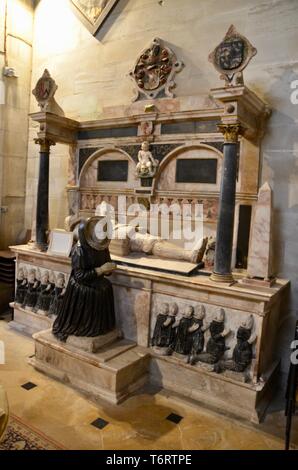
[206,331]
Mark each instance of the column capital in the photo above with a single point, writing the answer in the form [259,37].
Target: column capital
[44,143]
[230,132]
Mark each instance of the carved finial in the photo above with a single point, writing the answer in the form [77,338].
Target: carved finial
[154,71]
[231,56]
[45,90]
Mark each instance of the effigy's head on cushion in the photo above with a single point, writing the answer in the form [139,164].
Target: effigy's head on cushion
[93,232]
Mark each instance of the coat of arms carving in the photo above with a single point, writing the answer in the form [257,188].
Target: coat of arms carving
[45,90]
[154,71]
[231,56]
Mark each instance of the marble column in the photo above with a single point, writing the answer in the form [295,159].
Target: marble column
[42,203]
[225,226]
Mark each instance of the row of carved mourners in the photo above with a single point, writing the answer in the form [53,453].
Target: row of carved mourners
[186,337]
[39,293]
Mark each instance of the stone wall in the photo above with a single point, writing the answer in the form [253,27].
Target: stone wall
[92,74]
[16,28]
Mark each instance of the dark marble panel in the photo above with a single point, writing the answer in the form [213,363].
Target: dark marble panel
[196,170]
[107,133]
[113,170]
[190,127]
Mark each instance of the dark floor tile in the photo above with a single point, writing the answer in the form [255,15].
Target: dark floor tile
[28,386]
[174,418]
[99,423]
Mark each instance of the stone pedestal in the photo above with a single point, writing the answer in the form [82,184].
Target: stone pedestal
[28,322]
[113,373]
[94,344]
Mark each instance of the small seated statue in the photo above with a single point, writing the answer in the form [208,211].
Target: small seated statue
[30,298]
[242,353]
[183,342]
[197,331]
[147,165]
[57,295]
[44,294]
[164,333]
[216,345]
[22,286]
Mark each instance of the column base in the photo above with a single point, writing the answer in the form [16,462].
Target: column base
[224,278]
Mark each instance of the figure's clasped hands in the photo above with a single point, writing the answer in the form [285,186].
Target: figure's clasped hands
[106,268]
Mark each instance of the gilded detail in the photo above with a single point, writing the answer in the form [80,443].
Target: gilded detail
[230,132]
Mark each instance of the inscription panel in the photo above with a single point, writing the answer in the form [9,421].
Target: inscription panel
[196,170]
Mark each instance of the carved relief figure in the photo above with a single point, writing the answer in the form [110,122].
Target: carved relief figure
[45,290]
[57,295]
[87,308]
[32,291]
[22,285]
[197,331]
[164,330]
[183,341]
[147,164]
[216,345]
[243,351]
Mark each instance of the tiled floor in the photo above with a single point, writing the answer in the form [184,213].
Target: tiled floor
[146,421]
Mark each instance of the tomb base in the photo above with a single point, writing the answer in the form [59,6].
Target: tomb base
[112,374]
[220,392]
[28,322]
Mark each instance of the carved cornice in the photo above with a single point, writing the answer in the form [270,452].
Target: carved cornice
[230,132]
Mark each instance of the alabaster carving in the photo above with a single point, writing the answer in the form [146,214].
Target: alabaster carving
[31,295]
[164,334]
[231,56]
[22,286]
[45,290]
[142,242]
[216,345]
[183,341]
[147,165]
[196,332]
[155,70]
[57,295]
[243,351]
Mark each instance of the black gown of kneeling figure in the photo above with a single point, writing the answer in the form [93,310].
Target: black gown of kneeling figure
[87,308]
